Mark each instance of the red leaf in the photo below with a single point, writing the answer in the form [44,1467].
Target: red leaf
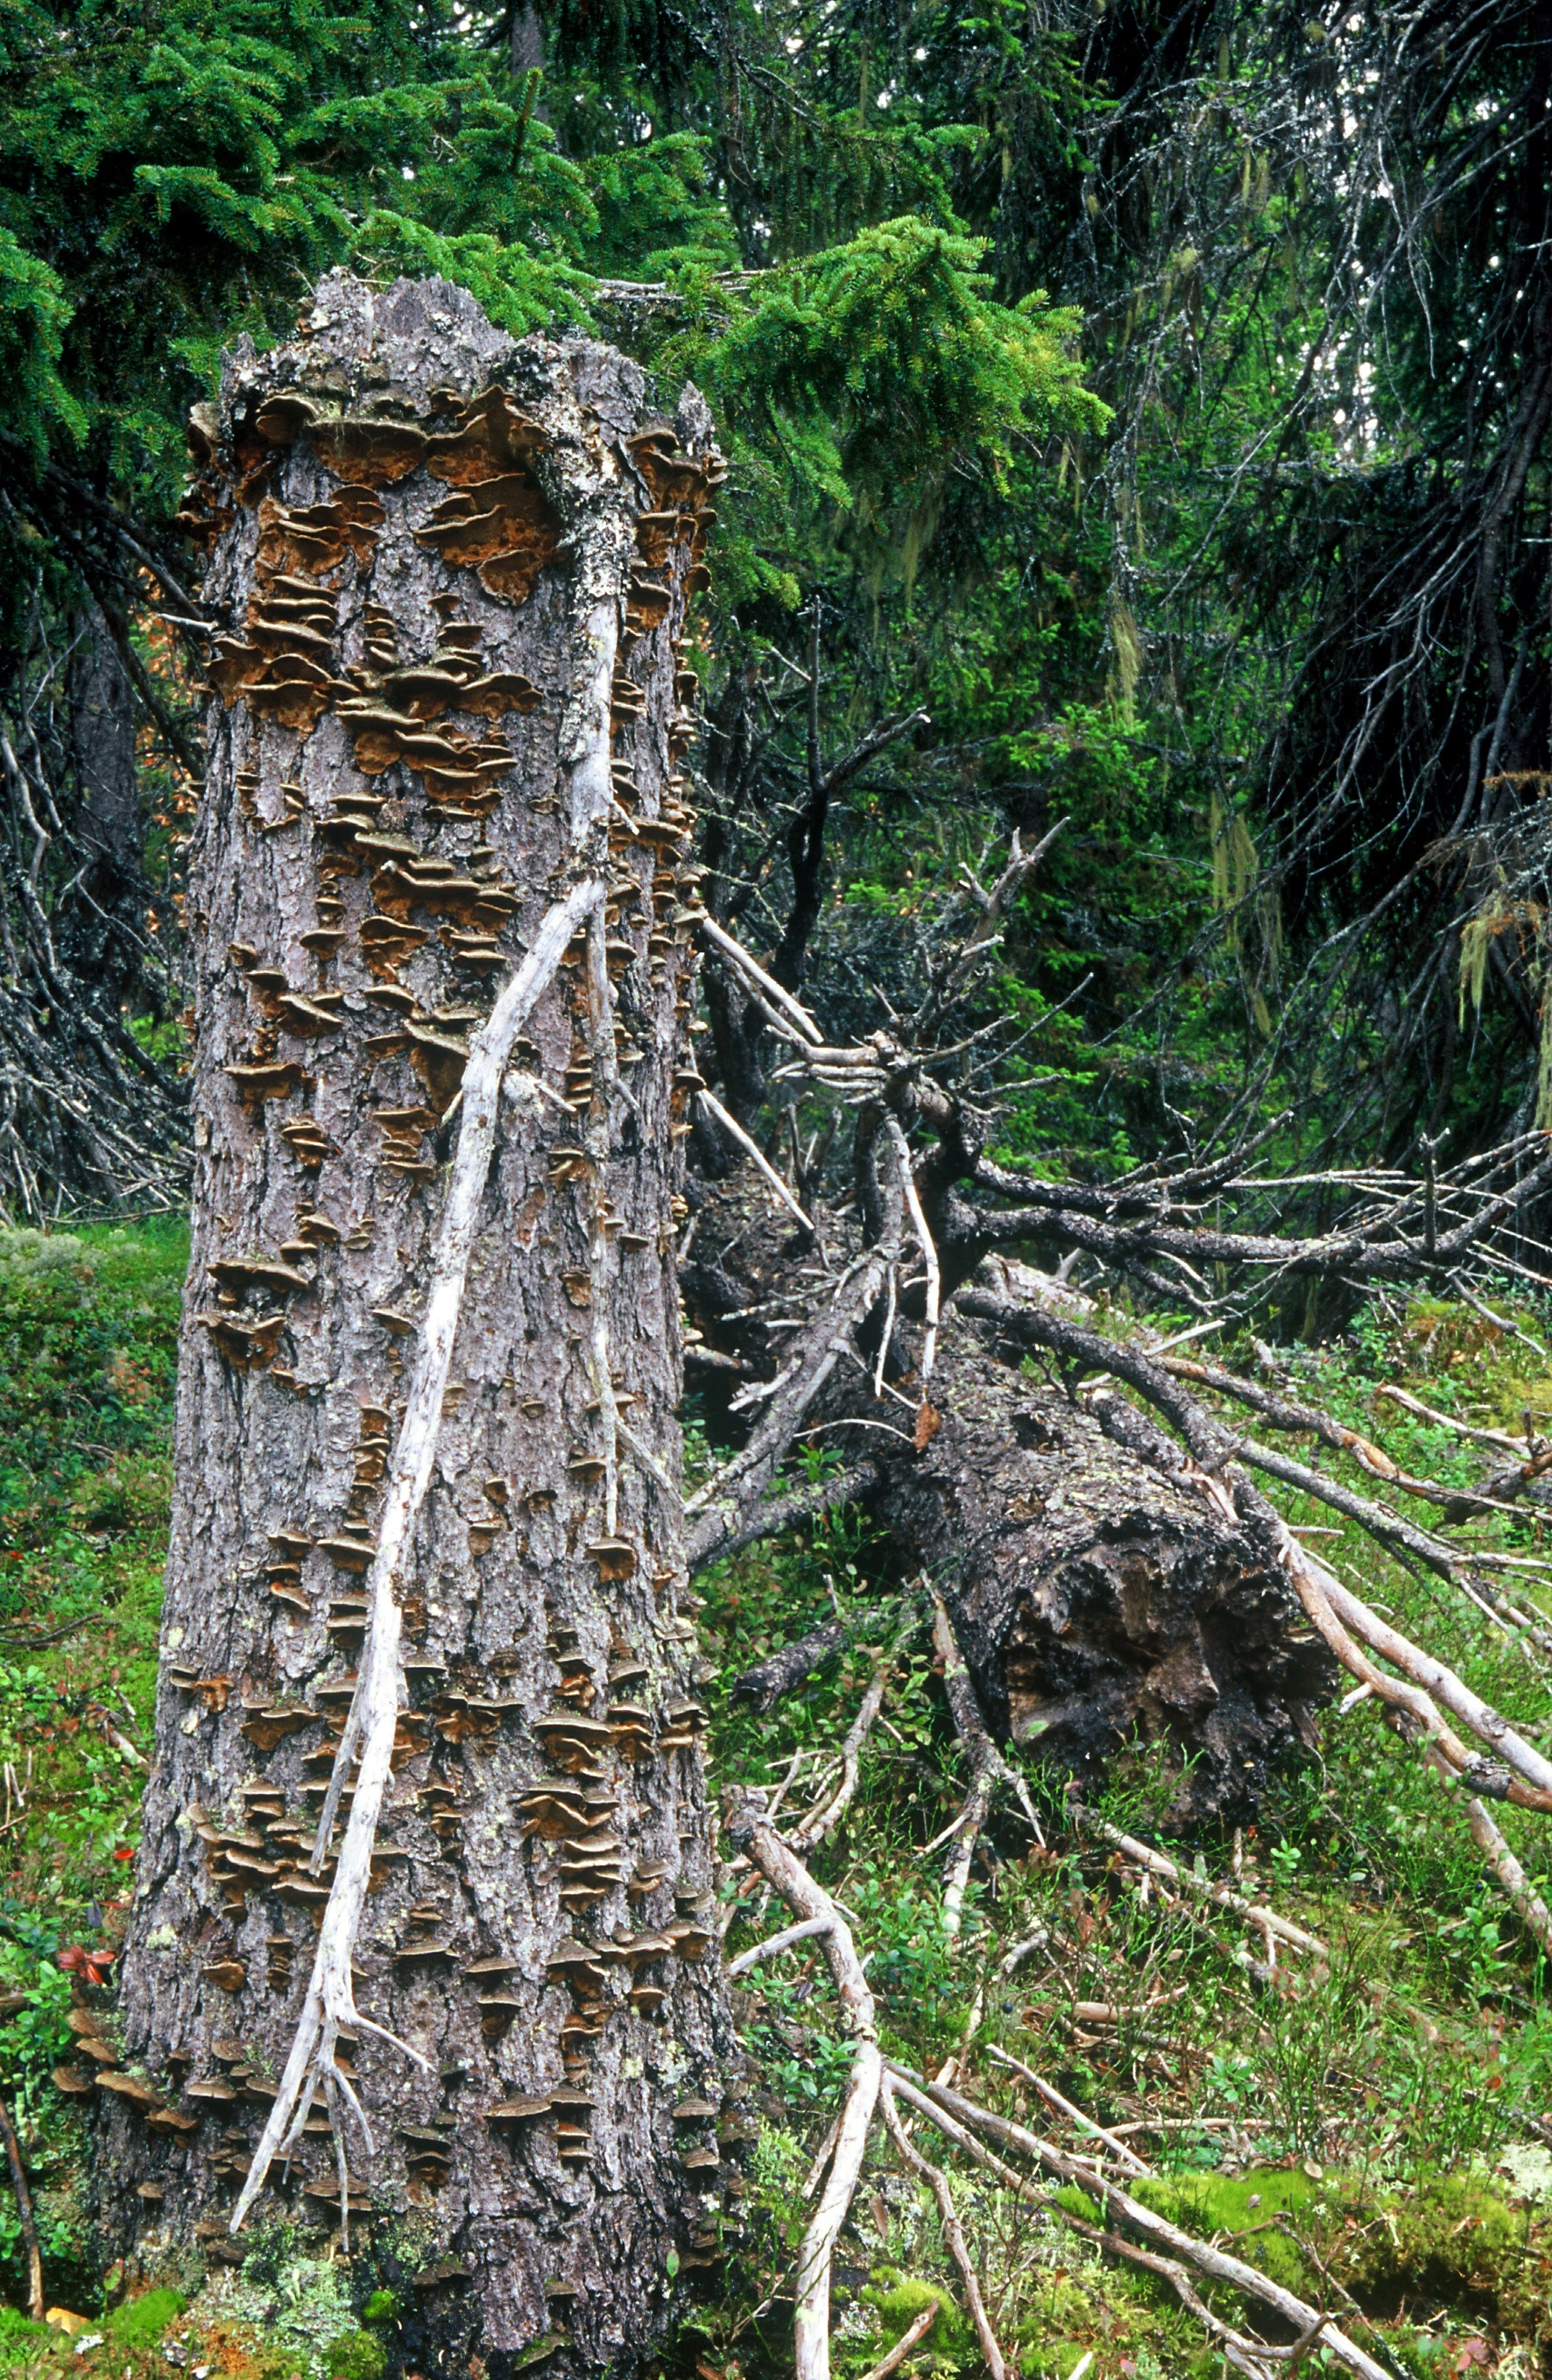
[92,1965]
[930,1421]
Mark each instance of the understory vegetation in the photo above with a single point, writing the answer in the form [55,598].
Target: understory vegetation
[1365,2125]
[1118,732]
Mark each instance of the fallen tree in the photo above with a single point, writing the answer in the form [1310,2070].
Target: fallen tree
[1113,1574]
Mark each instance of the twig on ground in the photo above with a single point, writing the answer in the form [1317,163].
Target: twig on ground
[986,1766]
[1158,1864]
[903,2344]
[750,1830]
[818,1824]
[961,2118]
[953,2235]
[24,2215]
[773,1944]
[1053,2098]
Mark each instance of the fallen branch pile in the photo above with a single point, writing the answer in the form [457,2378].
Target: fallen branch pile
[1126,2228]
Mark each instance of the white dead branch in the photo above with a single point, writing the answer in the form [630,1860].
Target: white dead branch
[749,1828]
[330,2005]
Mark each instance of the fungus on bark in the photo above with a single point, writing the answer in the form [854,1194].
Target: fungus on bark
[425,547]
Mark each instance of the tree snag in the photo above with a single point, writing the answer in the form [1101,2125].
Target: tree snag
[419,1942]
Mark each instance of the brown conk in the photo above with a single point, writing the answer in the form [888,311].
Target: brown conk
[454,573]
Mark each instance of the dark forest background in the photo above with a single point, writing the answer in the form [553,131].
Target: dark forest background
[1137,419]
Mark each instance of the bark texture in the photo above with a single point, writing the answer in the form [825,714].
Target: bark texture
[456,573]
[1100,1599]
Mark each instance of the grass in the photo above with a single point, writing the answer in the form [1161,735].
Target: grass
[1366,2126]
[1346,2128]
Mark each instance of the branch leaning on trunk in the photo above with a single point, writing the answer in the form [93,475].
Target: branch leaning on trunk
[329,2004]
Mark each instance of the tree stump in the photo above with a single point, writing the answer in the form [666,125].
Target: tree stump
[453,573]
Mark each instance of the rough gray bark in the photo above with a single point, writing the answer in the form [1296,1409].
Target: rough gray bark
[455,572]
[1101,1601]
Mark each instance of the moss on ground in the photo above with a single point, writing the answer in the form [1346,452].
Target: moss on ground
[1341,2129]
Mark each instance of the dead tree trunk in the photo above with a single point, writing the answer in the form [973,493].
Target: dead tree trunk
[454,573]
[1102,1604]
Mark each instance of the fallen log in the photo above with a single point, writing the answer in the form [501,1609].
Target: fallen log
[1099,1603]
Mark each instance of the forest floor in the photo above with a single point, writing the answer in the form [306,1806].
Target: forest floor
[1369,2126]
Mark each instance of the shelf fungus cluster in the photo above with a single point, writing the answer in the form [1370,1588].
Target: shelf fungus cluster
[457,577]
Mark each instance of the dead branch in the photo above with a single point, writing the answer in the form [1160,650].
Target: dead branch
[1157,1864]
[752,1150]
[953,2234]
[1385,1527]
[1440,1684]
[773,1945]
[792,1016]
[734,1493]
[750,1832]
[24,2215]
[954,974]
[1309,1580]
[960,2119]
[780,1673]
[1507,1872]
[903,2344]
[818,1824]
[1053,2098]
[1289,1414]
[774,1518]
[1499,1437]
[928,1257]
[987,1769]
